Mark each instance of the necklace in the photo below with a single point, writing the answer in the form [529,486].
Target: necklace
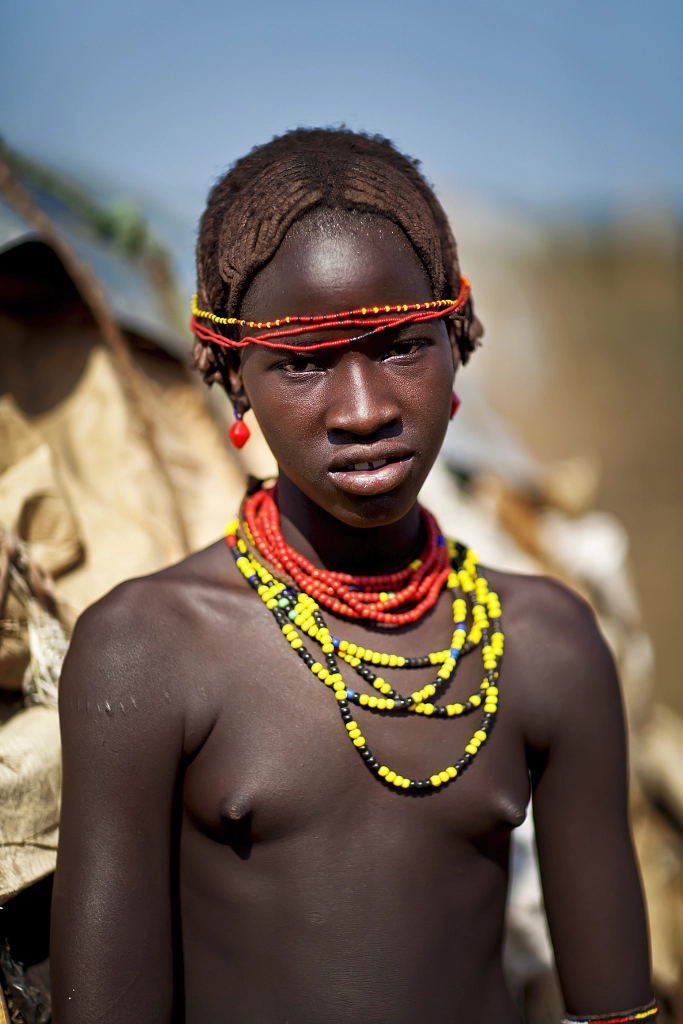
[367,597]
[298,609]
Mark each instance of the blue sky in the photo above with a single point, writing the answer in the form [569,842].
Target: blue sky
[547,105]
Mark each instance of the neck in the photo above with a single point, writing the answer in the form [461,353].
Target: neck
[331,544]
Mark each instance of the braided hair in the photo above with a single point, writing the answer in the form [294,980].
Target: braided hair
[251,208]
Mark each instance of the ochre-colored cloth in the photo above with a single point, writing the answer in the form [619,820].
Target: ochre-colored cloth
[34,510]
[110,478]
[80,488]
[30,780]
[32,504]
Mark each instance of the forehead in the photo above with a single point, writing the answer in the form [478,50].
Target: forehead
[333,260]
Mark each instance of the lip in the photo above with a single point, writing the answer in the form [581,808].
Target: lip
[369,482]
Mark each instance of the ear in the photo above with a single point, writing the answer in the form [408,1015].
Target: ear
[233,382]
[453,339]
[467,328]
[203,360]
[220,366]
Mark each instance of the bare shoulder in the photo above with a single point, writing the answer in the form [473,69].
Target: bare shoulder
[139,647]
[557,662]
[543,603]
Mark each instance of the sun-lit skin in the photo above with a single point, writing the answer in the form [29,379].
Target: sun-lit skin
[225,856]
[385,398]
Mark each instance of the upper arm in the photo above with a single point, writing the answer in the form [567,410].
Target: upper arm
[578,757]
[122,736]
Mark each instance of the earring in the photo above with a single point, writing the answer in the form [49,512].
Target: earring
[239,432]
[455,404]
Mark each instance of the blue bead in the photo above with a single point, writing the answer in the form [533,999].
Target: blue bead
[335,641]
[455,653]
[440,541]
[461,625]
[350,694]
[253,579]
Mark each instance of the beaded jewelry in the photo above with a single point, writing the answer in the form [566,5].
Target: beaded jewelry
[648,1012]
[378,318]
[295,609]
[239,432]
[419,584]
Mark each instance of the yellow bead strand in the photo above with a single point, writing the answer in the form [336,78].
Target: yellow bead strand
[485,606]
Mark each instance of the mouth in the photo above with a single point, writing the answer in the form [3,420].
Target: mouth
[372,477]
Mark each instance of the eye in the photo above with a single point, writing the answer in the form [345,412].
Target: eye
[300,364]
[405,348]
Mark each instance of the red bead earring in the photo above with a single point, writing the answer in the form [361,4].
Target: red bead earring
[455,404]
[239,432]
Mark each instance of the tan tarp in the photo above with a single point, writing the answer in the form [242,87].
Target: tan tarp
[80,488]
[31,501]
[109,476]
[30,779]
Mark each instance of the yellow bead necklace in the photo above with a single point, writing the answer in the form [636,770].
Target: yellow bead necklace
[294,609]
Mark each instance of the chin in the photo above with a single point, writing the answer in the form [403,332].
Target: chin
[365,511]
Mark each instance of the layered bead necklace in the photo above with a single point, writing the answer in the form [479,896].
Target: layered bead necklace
[367,597]
[293,590]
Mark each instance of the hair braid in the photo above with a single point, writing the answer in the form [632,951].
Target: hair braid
[252,207]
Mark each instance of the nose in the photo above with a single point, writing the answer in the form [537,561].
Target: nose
[362,405]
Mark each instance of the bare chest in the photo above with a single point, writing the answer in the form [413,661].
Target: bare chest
[279,755]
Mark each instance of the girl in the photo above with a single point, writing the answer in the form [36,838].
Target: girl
[292,762]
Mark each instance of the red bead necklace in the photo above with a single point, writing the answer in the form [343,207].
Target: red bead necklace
[358,597]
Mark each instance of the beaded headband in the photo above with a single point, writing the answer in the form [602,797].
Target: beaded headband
[379,318]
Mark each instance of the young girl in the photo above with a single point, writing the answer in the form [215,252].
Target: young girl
[292,762]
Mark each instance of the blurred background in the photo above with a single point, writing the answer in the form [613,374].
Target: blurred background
[553,135]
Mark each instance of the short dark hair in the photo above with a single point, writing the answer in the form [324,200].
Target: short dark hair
[251,208]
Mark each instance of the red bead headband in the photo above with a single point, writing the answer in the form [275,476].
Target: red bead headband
[397,316]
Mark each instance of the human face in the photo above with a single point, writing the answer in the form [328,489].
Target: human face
[355,428]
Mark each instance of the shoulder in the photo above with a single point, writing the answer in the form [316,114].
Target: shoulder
[543,612]
[542,603]
[138,616]
[140,645]
[557,662]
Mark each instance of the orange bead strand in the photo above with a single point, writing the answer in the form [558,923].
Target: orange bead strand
[393,599]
